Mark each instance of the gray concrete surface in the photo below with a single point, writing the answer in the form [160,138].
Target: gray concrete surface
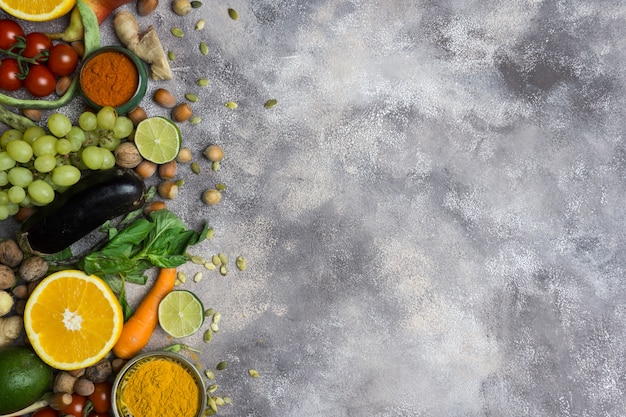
[432,215]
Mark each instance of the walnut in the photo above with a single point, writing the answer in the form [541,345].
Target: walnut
[127,155]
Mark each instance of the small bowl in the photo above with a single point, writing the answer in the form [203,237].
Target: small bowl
[118,404]
[142,84]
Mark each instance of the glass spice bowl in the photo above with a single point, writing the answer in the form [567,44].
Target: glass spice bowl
[119,405]
[94,82]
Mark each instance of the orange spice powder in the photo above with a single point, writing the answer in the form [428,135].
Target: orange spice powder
[109,79]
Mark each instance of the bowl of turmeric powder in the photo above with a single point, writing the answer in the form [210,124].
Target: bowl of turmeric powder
[113,76]
[163,384]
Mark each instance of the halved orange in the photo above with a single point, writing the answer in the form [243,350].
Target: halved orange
[37,11]
[72,319]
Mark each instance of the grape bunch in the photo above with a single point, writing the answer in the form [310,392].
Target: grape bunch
[35,164]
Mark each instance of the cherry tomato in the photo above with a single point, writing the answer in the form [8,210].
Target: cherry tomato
[9,75]
[36,43]
[9,31]
[40,81]
[46,412]
[101,397]
[99,414]
[62,60]
[76,408]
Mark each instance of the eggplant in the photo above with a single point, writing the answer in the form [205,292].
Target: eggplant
[88,204]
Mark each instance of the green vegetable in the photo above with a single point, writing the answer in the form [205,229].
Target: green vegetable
[160,240]
[92,42]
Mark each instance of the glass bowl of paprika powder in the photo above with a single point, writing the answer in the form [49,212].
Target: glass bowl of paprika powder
[163,384]
[113,76]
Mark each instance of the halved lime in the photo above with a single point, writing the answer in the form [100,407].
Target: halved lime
[181,313]
[158,139]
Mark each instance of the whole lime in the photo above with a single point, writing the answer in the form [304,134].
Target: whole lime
[24,378]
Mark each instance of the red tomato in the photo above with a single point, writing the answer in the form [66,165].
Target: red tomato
[99,415]
[46,412]
[63,59]
[36,43]
[77,406]
[40,81]
[9,75]
[9,31]
[101,397]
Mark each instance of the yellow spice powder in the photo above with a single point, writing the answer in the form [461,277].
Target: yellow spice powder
[161,388]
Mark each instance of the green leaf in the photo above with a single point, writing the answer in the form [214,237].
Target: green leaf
[125,241]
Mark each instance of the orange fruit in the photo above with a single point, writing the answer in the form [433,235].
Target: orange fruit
[72,319]
[37,11]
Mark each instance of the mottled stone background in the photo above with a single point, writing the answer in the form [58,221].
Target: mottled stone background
[432,215]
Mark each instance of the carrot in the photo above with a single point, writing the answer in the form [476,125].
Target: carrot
[139,327]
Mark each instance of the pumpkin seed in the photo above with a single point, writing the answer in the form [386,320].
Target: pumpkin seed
[215,327]
[208,335]
[191,97]
[212,404]
[210,233]
[212,388]
[231,105]
[241,263]
[217,317]
[195,168]
[178,32]
[215,165]
[200,24]
[223,258]
[219,401]
[202,82]
[197,277]
[195,120]
[204,48]
[221,365]
[233,14]
[253,373]
[209,374]
[220,186]
[209,412]
[196,4]
[210,266]
[216,260]
[209,312]
[223,270]
[198,260]
[270,103]
[170,55]
[228,400]
[181,277]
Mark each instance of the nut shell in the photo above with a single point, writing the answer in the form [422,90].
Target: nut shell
[127,155]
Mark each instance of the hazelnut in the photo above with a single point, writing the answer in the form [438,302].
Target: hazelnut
[145,7]
[182,112]
[137,115]
[164,98]
[214,153]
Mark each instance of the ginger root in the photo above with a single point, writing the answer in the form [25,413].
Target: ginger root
[10,329]
[146,46]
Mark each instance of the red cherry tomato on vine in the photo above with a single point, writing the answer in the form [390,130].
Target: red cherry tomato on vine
[9,31]
[36,43]
[101,397]
[9,75]
[46,412]
[40,81]
[62,60]
[76,408]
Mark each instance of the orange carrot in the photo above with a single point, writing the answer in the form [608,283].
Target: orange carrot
[140,326]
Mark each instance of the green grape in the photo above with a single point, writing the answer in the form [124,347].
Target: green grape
[20,176]
[32,133]
[108,159]
[123,127]
[4,198]
[59,124]
[75,144]
[6,162]
[76,133]
[14,208]
[45,145]
[4,212]
[109,143]
[16,194]
[4,178]
[9,135]
[87,121]
[92,158]
[106,118]
[40,192]
[45,163]
[20,151]
[63,146]
[65,175]
[76,159]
